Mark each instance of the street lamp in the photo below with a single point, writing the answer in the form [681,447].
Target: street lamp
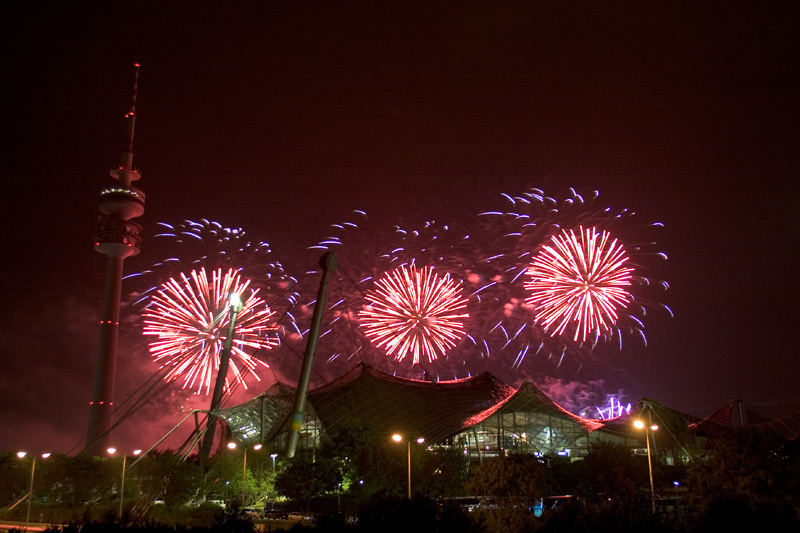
[112,451]
[274,456]
[232,446]
[638,424]
[398,438]
[677,501]
[30,488]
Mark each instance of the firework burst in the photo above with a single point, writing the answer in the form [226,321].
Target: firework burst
[504,244]
[189,318]
[414,312]
[367,252]
[579,281]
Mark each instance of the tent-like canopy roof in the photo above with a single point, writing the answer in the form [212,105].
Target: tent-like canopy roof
[433,410]
[415,408]
[736,413]
[439,410]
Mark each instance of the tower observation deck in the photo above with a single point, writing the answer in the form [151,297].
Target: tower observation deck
[117,237]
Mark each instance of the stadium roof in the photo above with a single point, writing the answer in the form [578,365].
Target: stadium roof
[736,413]
[439,410]
[435,410]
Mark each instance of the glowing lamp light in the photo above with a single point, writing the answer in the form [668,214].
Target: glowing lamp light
[235,300]
[397,438]
[258,446]
[231,445]
[638,424]
[21,454]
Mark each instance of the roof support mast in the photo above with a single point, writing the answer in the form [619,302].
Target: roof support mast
[328,263]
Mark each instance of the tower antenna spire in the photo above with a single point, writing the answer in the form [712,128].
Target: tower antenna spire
[125,173]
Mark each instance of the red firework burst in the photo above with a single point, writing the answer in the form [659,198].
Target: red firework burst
[579,281]
[189,317]
[414,312]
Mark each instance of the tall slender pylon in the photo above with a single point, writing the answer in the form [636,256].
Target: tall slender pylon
[117,238]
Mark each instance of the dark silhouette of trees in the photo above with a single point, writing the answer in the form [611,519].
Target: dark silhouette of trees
[514,478]
[301,480]
[745,479]
[76,481]
[373,464]
[165,476]
[444,471]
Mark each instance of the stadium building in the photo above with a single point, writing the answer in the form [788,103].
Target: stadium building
[480,414]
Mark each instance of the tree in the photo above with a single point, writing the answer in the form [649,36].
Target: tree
[302,480]
[167,476]
[444,471]
[515,482]
[370,463]
[512,478]
[742,465]
[611,471]
[77,481]
[15,475]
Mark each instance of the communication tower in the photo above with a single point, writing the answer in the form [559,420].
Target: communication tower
[116,238]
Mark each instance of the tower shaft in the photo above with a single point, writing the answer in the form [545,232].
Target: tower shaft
[102,404]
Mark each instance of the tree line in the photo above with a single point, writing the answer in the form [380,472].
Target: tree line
[747,479]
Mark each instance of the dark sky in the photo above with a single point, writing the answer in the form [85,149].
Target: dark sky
[283,117]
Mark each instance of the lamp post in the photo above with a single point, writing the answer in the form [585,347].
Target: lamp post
[30,487]
[112,451]
[677,501]
[638,424]
[274,456]
[232,446]
[235,306]
[398,438]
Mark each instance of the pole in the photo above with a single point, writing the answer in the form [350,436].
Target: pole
[328,263]
[409,469]
[244,474]
[122,486]
[101,407]
[647,433]
[30,495]
[219,385]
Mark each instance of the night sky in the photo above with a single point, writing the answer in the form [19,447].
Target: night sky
[283,117]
